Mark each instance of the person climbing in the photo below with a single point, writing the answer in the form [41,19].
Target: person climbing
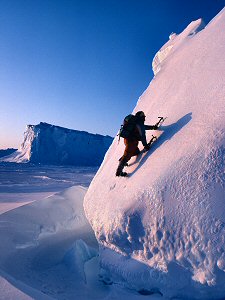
[131,141]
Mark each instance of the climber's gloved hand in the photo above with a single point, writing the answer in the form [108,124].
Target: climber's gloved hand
[147,147]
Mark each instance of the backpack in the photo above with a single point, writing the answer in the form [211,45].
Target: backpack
[128,126]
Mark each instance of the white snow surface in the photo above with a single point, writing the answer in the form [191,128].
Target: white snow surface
[48,249]
[163,228]
[174,43]
[43,222]
[44,246]
[49,144]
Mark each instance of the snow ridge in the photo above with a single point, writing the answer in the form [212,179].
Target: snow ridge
[162,229]
[174,42]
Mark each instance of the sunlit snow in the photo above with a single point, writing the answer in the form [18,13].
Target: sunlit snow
[158,234]
[163,228]
[48,144]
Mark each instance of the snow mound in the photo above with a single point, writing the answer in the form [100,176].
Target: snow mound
[44,248]
[48,144]
[175,41]
[162,229]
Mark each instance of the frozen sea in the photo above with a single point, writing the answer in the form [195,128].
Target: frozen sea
[47,248]
[23,183]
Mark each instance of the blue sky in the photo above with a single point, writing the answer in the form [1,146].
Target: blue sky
[82,64]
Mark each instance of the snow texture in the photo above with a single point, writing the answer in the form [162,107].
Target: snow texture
[48,249]
[44,247]
[174,43]
[162,229]
[49,144]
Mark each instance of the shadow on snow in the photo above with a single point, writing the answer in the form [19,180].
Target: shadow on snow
[168,132]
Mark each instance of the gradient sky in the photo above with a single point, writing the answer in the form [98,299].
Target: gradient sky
[82,64]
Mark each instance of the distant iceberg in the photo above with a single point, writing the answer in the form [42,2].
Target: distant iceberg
[48,144]
[6,152]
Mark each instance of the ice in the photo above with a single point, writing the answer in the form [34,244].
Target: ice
[162,229]
[21,184]
[77,256]
[6,152]
[10,292]
[174,42]
[48,249]
[36,236]
[48,144]
[159,233]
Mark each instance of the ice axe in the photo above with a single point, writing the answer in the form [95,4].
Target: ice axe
[161,120]
[154,138]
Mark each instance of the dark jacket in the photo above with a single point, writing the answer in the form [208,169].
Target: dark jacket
[140,131]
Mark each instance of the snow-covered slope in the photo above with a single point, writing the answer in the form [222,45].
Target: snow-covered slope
[163,228]
[48,249]
[40,243]
[49,144]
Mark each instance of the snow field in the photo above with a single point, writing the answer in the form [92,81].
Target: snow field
[48,249]
[37,241]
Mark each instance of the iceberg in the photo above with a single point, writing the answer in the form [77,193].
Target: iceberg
[162,229]
[49,144]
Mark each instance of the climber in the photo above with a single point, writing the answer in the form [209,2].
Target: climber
[136,134]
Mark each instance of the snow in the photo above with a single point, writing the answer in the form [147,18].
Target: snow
[162,229]
[158,234]
[48,249]
[48,144]
[36,236]
[11,292]
[21,184]
[40,234]
[175,42]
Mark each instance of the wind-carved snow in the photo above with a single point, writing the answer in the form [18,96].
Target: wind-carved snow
[44,248]
[162,229]
[174,42]
[159,58]
[49,144]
